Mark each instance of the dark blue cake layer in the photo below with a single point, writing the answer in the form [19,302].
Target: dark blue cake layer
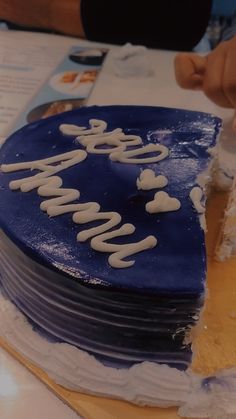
[117,327]
[120,315]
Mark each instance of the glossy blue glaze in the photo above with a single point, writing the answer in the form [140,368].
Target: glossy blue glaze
[177,264]
[119,328]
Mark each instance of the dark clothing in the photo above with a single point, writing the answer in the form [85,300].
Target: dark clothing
[170,24]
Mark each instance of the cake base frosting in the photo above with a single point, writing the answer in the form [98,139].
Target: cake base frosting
[143,384]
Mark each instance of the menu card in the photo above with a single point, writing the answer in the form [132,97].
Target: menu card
[40,77]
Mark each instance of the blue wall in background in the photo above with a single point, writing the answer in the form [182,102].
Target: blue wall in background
[224,7]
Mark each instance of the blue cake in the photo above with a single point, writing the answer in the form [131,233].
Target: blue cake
[69,291]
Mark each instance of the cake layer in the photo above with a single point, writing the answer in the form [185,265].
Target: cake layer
[117,327]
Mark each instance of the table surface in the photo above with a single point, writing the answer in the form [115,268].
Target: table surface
[22,396]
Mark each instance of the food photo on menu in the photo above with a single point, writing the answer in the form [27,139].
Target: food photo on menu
[28,97]
[91,56]
[118,220]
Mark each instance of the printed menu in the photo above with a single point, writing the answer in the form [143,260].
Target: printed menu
[41,76]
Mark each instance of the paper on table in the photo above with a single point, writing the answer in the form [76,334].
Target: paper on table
[39,78]
[24,65]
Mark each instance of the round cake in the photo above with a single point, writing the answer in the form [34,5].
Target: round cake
[103,259]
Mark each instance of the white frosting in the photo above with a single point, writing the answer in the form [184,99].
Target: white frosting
[209,398]
[49,185]
[97,126]
[129,156]
[116,138]
[99,241]
[95,136]
[85,140]
[66,160]
[162,203]
[196,195]
[52,187]
[82,217]
[148,180]
[120,251]
[91,143]
[115,259]
[58,210]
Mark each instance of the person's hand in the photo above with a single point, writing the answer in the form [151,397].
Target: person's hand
[214,73]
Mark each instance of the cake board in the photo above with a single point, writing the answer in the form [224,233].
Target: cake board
[214,347]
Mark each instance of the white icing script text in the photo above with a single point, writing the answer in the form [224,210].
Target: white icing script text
[49,185]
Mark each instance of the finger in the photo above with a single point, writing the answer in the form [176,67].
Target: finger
[234,122]
[214,76]
[189,70]
[229,79]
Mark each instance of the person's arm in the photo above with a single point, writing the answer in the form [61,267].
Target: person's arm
[169,24]
[215,73]
[56,15]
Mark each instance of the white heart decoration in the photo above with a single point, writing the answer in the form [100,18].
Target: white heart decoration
[162,203]
[148,180]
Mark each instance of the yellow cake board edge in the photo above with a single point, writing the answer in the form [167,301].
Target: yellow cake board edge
[91,407]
